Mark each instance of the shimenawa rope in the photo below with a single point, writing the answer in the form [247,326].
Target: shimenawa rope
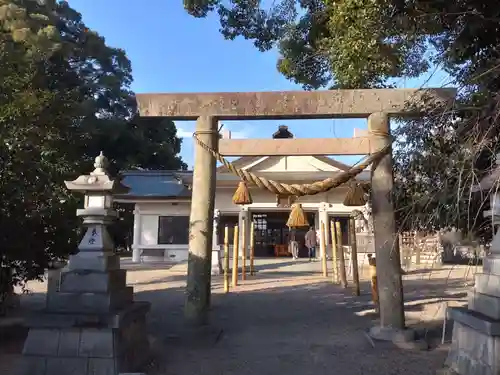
[295,189]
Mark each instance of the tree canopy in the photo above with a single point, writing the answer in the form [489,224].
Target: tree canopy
[64,96]
[372,44]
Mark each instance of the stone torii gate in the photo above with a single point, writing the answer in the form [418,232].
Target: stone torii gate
[208,108]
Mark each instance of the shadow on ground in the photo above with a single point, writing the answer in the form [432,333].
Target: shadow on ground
[314,328]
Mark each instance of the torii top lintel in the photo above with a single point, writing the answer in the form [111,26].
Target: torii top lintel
[290,104]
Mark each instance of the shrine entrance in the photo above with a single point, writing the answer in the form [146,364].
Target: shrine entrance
[272,234]
[377,105]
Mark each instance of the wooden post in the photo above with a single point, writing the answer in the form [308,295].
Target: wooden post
[243,250]
[354,257]
[201,223]
[373,279]
[335,271]
[390,285]
[252,249]
[235,256]
[324,264]
[226,259]
[343,276]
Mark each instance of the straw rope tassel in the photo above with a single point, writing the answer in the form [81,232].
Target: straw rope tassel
[242,194]
[297,218]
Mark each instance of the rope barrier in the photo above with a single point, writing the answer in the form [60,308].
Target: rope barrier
[296,189]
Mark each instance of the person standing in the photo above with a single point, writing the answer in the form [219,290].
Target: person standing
[311,243]
[293,246]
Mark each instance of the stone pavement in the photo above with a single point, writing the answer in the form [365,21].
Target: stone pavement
[286,319]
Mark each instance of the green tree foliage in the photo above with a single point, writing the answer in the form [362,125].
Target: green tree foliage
[372,43]
[64,96]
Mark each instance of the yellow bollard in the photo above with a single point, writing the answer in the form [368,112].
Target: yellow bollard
[252,244]
[373,277]
[343,276]
[243,250]
[235,256]
[354,256]
[335,271]
[226,259]
[324,265]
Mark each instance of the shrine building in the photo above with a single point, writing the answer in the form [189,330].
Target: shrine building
[162,201]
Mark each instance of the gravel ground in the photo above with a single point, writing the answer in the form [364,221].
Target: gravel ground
[286,319]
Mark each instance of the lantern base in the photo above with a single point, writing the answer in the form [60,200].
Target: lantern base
[475,346]
[84,344]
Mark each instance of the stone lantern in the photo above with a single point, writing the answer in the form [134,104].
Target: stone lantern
[91,324]
[475,347]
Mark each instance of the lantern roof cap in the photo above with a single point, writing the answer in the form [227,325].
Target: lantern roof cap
[98,180]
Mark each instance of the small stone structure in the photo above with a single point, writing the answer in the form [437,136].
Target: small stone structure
[216,268]
[475,347]
[91,324]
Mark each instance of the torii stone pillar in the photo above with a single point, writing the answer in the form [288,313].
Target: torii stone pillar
[201,224]
[392,319]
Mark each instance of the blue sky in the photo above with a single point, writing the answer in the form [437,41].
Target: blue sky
[171,51]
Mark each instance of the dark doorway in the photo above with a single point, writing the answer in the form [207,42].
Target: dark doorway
[230,221]
[272,235]
[344,227]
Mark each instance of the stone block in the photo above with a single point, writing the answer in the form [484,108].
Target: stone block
[216,262]
[90,281]
[473,352]
[97,343]
[70,366]
[99,263]
[97,303]
[69,343]
[474,320]
[484,304]
[491,264]
[102,366]
[42,342]
[132,313]
[487,283]
[31,366]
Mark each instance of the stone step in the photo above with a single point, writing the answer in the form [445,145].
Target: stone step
[99,263]
[485,304]
[89,302]
[91,281]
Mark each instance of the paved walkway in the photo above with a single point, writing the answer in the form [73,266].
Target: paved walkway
[288,319]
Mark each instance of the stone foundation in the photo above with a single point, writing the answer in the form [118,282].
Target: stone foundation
[68,344]
[91,324]
[473,351]
[475,347]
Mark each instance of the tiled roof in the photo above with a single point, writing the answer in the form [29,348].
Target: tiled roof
[155,184]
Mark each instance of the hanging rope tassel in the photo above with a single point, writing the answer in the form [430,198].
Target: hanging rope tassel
[242,194]
[356,195]
[297,218]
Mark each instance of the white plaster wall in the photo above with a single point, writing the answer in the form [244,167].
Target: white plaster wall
[150,213]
